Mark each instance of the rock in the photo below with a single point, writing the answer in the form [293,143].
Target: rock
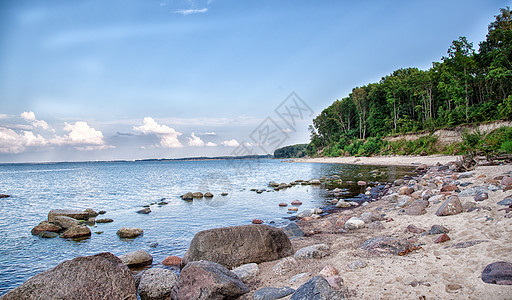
[237,245]
[317,288]
[315,182]
[499,272]
[451,206]
[357,264]
[157,284]
[366,217]
[91,212]
[449,188]
[361,183]
[313,251]
[505,202]
[77,231]
[209,280]
[129,233]
[452,288]
[187,196]
[305,213]
[299,277]
[102,212]
[136,259]
[296,202]
[101,276]
[75,214]
[405,190]
[354,223]
[426,194]
[422,203]
[144,211]
[413,229]
[506,181]
[293,231]
[415,210]
[171,260]
[343,204]
[65,222]
[436,199]
[376,225]
[438,229]
[208,195]
[293,209]
[224,194]
[91,221]
[481,196]
[4,196]
[282,204]
[467,244]
[272,293]
[468,206]
[285,265]
[257,221]
[246,272]
[442,238]
[45,226]
[398,182]
[153,245]
[328,271]
[48,234]
[197,195]
[99,232]
[335,281]
[387,245]
[342,220]
[105,220]
[469,192]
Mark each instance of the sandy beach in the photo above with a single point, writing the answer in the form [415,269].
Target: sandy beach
[479,236]
[391,160]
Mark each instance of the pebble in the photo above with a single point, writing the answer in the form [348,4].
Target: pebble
[172,261]
[298,276]
[505,202]
[328,271]
[438,229]
[413,229]
[257,221]
[354,223]
[282,204]
[313,251]
[357,264]
[442,238]
[296,202]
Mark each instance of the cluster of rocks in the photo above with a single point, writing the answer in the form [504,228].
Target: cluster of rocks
[198,195]
[146,209]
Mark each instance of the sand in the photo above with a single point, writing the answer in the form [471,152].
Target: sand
[436,271]
[391,160]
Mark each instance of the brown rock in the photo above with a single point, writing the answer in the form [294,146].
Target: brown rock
[101,276]
[77,231]
[449,188]
[282,204]
[342,220]
[499,272]
[296,202]
[65,222]
[451,206]
[361,182]
[306,219]
[506,181]
[328,271]
[257,221]
[129,233]
[335,281]
[293,209]
[75,214]
[137,258]
[413,229]
[415,210]
[45,226]
[172,261]
[238,245]
[442,238]
[209,280]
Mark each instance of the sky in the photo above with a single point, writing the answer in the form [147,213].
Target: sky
[88,80]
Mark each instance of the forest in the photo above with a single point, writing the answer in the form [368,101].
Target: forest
[466,86]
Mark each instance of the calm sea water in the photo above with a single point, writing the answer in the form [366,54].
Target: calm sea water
[121,188]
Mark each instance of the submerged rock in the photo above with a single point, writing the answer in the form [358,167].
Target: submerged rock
[126,232]
[104,220]
[144,211]
[101,276]
[77,231]
[45,226]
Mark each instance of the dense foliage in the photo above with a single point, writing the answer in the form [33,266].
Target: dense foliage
[299,150]
[467,86]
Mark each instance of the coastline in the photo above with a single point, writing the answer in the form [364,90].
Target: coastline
[391,160]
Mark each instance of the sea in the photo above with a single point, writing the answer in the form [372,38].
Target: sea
[123,188]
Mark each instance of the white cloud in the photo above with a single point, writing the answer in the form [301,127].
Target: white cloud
[209,133]
[168,136]
[12,142]
[195,141]
[3,116]
[29,116]
[190,11]
[287,130]
[247,144]
[210,144]
[82,136]
[230,143]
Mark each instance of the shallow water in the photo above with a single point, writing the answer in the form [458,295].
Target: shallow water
[121,188]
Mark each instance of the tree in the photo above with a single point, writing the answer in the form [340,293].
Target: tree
[361,102]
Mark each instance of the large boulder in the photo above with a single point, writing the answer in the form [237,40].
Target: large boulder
[101,276]
[451,206]
[137,258]
[208,280]
[77,231]
[75,214]
[238,245]
[65,222]
[157,284]
[45,226]
[317,288]
[499,272]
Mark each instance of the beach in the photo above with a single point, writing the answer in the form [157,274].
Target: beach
[391,160]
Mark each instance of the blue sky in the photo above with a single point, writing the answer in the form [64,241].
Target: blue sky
[131,79]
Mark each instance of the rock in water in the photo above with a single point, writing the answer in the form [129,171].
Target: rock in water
[499,272]
[386,245]
[171,260]
[238,245]
[77,231]
[271,293]
[65,222]
[45,226]
[104,220]
[137,258]
[209,280]
[75,214]
[156,284]
[452,206]
[129,233]
[317,288]
[91,212]
[144,211]
[101,276]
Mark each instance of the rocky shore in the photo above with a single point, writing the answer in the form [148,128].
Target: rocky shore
[441,234]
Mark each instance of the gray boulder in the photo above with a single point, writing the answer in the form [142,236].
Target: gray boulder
[272,293]
[137,258]
[293,231]
[129,233]
[65,222]
[77,231]
[75,214]
[208,280]
[157,284]
[101,276]
[451,206]
[317,288]
[246,272]
[237,245]
[45,226]
[387,245]
[313,251]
